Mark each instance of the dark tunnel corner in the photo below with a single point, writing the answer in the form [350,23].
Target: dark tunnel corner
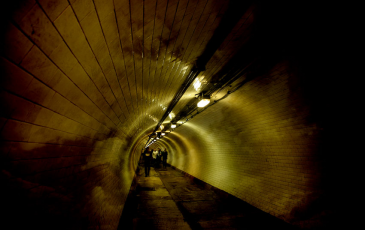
[67,185]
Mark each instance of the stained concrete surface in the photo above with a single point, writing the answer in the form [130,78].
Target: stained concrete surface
[171,199]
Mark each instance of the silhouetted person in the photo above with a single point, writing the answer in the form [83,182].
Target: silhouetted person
[158,158]
[154,157]
[147,155]
[164,157]
[140,159]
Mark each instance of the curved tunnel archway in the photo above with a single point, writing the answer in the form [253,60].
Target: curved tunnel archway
[83,84]
[259,144]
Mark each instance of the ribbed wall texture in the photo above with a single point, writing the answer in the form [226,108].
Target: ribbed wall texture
[262,144]
[64,163]
[84,82]
[59,166]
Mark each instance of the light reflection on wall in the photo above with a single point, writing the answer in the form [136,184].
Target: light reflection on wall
[198,140]
[171,115]
[197,84]
[182,154]
[152,117]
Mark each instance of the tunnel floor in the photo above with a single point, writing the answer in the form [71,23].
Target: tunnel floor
[170,199]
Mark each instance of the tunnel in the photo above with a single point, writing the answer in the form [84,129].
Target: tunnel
[87,85]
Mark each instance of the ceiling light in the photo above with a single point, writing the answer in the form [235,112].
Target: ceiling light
[203,100]
[171,115]
[173,125]
[163,134]
[197,84]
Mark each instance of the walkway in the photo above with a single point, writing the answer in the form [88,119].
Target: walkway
[169,199]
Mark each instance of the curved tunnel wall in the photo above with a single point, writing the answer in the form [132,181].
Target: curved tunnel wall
[59,164]
[64,163]
[68,154]
[262,144]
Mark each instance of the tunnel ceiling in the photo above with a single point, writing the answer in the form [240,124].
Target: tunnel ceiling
[84,82]
[128,58]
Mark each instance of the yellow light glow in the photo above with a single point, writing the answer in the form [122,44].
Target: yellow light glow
[203,102]
[197,84]
[153,118]
[163,134]
[173,126]
[171,115]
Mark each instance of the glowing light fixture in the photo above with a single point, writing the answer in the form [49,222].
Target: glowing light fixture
[163,134]
[203,100]
[173,125]
[197,84]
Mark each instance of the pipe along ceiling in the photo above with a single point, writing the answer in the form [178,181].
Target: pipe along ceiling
[86,85]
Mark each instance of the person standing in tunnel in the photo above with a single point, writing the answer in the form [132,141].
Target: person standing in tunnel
[164,157]
[154,157]
[147,155]
[158,157]
[141,158]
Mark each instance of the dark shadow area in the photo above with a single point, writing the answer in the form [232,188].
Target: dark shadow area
[201,205]
[57,187]
[207,207]
[130,208]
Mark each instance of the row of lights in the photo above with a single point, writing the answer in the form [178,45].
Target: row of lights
[203,101]
[158,136]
